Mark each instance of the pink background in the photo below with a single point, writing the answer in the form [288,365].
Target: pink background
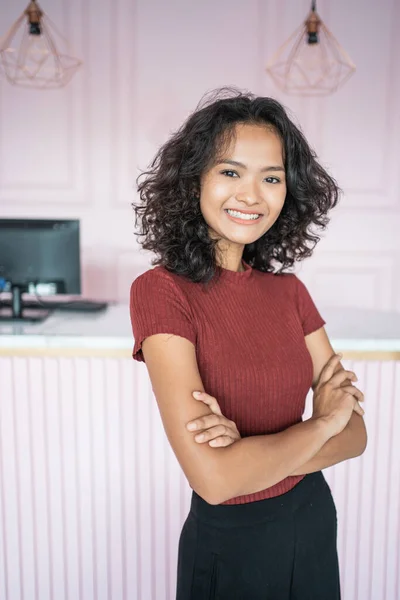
[76,152]
[92,499]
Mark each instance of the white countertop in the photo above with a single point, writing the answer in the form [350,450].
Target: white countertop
[110,328]
[349,329]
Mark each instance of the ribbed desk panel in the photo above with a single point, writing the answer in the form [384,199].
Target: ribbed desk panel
[92,498]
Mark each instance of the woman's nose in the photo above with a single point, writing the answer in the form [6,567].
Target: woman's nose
[249,193]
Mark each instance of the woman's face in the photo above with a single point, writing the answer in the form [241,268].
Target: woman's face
[257,185]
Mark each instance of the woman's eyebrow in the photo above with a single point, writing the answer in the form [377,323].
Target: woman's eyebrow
[240,164]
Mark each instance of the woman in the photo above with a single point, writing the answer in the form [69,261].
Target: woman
[232,194]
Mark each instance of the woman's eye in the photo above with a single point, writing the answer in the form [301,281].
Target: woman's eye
[276,180]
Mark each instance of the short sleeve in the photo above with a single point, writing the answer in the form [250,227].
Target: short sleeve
[310,317]
[158,305]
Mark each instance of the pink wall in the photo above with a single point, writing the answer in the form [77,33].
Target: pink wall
[76,152]
[78,510]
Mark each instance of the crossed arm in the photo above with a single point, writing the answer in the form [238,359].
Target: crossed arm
[349,443]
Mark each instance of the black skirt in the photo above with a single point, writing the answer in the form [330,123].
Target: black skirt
[281,548]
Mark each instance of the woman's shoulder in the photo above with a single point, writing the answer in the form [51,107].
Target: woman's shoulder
[152,275]
[157,282]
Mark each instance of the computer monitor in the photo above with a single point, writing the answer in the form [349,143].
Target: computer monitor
[39,256]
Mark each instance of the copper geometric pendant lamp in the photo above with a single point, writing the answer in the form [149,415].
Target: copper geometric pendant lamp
[34,54]
[311,62]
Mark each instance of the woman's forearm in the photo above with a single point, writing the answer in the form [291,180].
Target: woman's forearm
[349,443]
[257,462]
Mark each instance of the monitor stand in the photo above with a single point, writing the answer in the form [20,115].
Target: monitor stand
[17,313]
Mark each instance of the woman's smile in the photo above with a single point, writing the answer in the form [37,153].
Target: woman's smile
[243,221]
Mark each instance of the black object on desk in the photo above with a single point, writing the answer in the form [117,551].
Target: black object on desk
[40,257]
[80,305]
[39,311]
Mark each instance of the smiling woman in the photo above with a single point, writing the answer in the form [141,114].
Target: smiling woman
[180,215]
[228,204]
[244,190]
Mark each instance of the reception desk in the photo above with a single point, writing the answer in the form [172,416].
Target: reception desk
[92,498]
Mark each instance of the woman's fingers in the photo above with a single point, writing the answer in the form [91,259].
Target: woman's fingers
[223,440]
[329,368]
[351,389]
[211,433]
[328,374]
[209,400]
[205,422]
[357,408]
[214,428]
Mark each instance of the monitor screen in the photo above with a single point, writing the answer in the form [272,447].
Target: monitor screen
[40,255]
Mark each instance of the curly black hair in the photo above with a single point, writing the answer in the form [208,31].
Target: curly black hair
[172,223]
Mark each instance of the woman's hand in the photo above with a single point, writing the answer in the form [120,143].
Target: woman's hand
[333,400]
[215,429]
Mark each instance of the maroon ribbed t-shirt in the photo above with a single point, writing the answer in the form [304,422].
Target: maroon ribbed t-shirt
[248,331]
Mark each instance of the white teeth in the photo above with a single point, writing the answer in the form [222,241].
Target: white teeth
[240,215]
